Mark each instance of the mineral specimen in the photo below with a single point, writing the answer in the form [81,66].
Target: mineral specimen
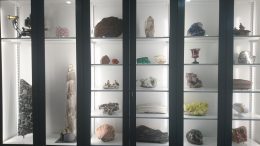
[109,27]
[105,60]
[241,84]
[143,60]
[25,31]
[150,82]
[109,108]
[108,85]
[62,32]
[69,133]
[239,135]
[151,109]
[25,123]
[240,108]
[160,59]
[195,137]
[193,81]
[196,109]
[115,61]
[196,29]
[241,31]
[245,58]
[149,27]
[105,133]
[146,134]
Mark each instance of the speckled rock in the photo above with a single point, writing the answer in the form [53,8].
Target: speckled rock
[194,137]
[109,108]
[25,123]
[146,134]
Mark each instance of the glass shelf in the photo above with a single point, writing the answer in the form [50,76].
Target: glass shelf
[249,142]
[201,90]
[99,114]
[16,40]
[247,91]
[206,117]
[250,38]
[152,64]
[151,144]
[201,64]
[248,117]
[106,90]
[247,65]
[115,39]
[106,65]
[153,116]
[161,39]
[115,142]
[140,89]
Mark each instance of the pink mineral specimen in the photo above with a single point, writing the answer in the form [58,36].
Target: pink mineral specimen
[105,132]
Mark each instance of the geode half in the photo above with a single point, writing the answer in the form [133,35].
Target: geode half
[25,123]
[195,137]
[109,27]
[146,134]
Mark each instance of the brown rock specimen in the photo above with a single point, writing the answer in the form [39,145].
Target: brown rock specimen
[241,84]
[105,132]
[115,61]
[109,27]
[239,134]
[105,60]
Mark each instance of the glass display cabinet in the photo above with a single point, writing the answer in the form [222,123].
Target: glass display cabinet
[16,67]
[60,72]
[106,21]
[152,72]
[246,40]
[201,72]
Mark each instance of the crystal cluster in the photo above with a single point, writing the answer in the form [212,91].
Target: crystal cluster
[150,82]
[196,108]
[149,27]
[193,81]
[239,135]
[195,137]
[240,108]
[109,108]
[196,29]
[245,58]
[108,85]
[143,60]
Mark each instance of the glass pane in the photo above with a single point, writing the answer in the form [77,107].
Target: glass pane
[106,72]
[152,72]
[16,72]
[246,83]
[60,72]
[201,72]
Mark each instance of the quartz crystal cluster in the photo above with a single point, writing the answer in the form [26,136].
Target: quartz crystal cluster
[193,81]
[108,85]
[150,82]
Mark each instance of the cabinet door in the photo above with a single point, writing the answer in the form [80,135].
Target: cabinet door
[246,69]
[106,72]
[201,72]
[152,72]
[60,72]
[16,79]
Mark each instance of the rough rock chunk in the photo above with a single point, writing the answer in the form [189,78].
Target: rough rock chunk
[195,137]
[146,134]
[105,132]
[109,27]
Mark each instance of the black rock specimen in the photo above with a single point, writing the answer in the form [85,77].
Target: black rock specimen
[25,124]
[241,31]
[146,134]
[109,27]
[196,29]
[109,108]
[195,137]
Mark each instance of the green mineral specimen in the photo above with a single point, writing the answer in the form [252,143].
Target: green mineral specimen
[196,108]
[143,60]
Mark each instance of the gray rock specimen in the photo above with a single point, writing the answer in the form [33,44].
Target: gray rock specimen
[105,60]
[108,85]
[196,29]
[195,137]
[109,108]
[105,133]
[240,108]
[193,81]
[241,84]
[245,58]
[150,82]
[25,123]
[149,27]
[69,133]
[109,27]
[146,134]
[151,109]
[241,31]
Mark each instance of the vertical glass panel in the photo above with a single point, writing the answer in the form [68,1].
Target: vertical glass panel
[201,71]
[16,72]
[106,72]
[60,72]
[152,72]
[246,82]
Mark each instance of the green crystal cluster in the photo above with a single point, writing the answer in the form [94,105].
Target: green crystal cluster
[196,108]
[143,60]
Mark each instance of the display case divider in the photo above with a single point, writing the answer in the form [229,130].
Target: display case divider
[83,55]
[1,88]
[38,73]
[126,73]
[132,45]
[225,75]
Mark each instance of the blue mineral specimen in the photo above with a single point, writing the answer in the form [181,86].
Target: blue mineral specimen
[196,29]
